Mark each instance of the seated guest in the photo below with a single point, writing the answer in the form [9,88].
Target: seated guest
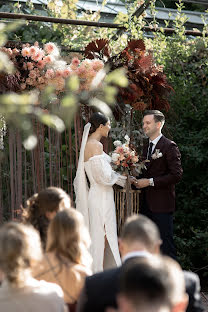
[43,206]
[67,261]
[140,237]
[152,285]
[20,247]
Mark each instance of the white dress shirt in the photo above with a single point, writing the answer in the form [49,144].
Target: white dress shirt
[154,142]
[132,254]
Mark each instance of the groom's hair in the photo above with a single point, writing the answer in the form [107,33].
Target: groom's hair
[158,115]
[139,228]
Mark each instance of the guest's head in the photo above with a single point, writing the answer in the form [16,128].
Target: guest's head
[20,247]
[139,234]
[43,206]
[99,124]
[68,237]
[153,284]
[153,121]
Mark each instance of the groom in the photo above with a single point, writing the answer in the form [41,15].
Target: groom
[158,183]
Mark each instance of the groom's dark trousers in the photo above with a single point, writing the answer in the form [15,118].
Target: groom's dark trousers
[164,222]
[158,201]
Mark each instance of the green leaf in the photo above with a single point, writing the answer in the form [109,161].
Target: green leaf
[73,83]
[52,121]
[68,100]
[117,77]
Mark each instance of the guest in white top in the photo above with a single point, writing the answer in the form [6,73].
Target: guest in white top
[20,247]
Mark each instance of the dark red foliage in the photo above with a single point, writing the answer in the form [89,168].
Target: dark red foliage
[134,45]
[12,82]
[148,87]
[9,83]
[97,49]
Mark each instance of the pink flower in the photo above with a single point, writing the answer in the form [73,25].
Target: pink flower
[49,47]
[86,63]
[3,49]
[91,74]
[49,73]
[15,51]
[75,62]
[37,72]
[59,83]
[41,80]
[48,59]
[81,72]
[38,56]
[23,86]
[29,81]
[9,51]
[119,149]
[32,74]
[97,65]
[30,65]
[67,72]
[41,64]
[59,73]
[26,52]
[36,44]
[33,50]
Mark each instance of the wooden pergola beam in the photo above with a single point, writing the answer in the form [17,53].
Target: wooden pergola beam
[167,31]
[38,18]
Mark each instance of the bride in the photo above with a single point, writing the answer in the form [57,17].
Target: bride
[97,203]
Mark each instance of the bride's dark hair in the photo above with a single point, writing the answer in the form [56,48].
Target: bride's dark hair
[96,120]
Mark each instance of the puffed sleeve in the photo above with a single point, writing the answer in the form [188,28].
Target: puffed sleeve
[104,174]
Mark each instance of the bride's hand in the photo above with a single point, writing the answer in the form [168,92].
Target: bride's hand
[121,180]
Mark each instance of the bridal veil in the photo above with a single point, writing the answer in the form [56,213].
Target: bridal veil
[80,182]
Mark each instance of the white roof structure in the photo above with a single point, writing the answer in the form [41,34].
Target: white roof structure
[113,7]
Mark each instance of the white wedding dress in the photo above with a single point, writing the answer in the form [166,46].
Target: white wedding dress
[97,205]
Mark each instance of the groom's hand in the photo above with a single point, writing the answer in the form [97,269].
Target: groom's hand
[141,183]
[132,180]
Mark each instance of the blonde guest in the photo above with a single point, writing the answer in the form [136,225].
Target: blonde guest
[67,261]
[20,248]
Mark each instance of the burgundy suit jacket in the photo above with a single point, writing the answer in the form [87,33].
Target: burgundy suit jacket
[166,171]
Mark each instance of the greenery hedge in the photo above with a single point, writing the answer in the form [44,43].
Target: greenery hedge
[186,65]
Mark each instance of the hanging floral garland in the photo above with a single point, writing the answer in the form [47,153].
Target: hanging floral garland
[37,68]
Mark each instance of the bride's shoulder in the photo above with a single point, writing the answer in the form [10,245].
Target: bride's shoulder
[93,147]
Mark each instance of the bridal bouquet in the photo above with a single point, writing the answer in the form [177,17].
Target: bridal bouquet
[125,159]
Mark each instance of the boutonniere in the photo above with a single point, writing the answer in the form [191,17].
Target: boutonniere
[157,154]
